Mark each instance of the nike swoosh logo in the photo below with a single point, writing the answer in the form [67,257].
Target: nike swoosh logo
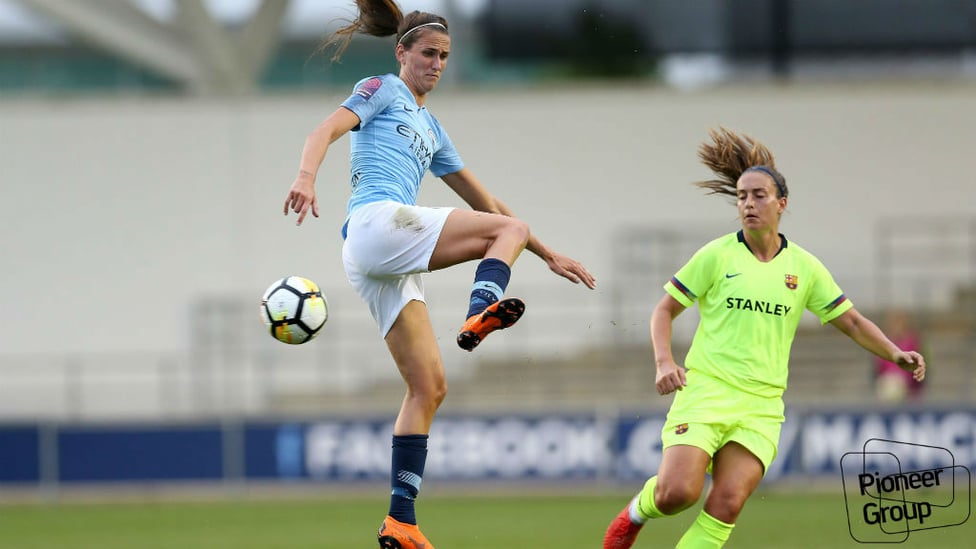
[731,275]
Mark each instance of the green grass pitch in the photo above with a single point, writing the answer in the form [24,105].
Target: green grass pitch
[452,521]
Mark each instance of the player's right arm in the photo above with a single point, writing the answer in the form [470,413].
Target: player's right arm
[670,376]
[301,195]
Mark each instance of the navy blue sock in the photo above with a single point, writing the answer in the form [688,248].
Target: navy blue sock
[409,457]
[490,281]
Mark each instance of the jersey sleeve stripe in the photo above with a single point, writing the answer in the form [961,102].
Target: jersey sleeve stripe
[835,303]
[683,289]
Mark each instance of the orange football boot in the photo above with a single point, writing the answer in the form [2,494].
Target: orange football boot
[497,316]
[394,534]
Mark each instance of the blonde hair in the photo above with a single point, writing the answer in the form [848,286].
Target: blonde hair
[729,155]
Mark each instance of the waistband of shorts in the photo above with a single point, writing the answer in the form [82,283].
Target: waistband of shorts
[344,231]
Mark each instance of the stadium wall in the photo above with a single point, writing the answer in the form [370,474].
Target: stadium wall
[120,213]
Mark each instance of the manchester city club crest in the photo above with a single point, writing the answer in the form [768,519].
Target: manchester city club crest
[791,281]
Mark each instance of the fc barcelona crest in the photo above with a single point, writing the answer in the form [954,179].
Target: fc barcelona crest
[791,281]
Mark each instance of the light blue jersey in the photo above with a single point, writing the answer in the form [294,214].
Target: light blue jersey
[395,143]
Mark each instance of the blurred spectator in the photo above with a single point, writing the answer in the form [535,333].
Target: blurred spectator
[892,383]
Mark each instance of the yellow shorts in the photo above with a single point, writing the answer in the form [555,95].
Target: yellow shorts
[709,413]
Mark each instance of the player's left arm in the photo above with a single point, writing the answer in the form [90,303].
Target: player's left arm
[469,188]
[867,334]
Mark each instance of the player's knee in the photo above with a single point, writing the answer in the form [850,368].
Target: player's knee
[439,393]
[725,505]
[518,229]
[429,394]
[436,393]
[671,498]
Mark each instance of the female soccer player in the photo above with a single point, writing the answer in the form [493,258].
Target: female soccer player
[751,287]
[389,240]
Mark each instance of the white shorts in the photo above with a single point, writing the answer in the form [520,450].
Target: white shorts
[387,246]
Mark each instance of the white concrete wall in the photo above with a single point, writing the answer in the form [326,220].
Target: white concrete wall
[118,213]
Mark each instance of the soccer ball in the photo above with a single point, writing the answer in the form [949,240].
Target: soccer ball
[294,310]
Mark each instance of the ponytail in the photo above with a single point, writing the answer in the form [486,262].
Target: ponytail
[729,155]
[383,18]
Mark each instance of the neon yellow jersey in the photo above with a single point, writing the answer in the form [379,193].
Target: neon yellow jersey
[750,310]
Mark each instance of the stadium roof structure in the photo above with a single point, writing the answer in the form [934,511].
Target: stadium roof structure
[205,47]
[240,47]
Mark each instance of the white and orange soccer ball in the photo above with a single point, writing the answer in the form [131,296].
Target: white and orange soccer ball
[294,310]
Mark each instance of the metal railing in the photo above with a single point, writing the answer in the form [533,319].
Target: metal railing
[233,369]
